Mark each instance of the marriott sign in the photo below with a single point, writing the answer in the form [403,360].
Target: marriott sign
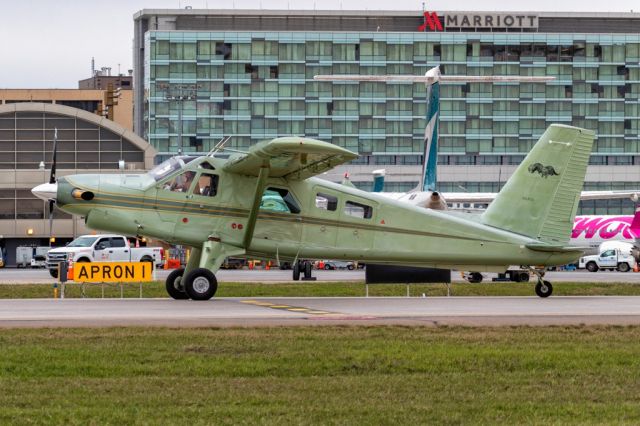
[478,20]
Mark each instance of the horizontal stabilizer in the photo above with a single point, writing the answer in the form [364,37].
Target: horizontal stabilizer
[555,248]
[290,158]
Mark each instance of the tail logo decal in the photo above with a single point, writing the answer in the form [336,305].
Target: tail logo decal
[545,171]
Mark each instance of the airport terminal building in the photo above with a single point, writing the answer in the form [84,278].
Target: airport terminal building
[200,75]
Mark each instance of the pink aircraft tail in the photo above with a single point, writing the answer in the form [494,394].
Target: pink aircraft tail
[635,224]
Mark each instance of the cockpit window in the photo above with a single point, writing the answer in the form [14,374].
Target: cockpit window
[180,183]
[173,164]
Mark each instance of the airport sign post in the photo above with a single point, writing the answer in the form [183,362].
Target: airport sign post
[112,272]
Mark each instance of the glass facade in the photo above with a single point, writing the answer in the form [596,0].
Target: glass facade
[202,86]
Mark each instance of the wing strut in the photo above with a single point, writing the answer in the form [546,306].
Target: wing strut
[261,182]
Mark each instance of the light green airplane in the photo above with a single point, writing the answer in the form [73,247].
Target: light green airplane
[267,203]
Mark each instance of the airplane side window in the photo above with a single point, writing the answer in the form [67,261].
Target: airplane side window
[358,210]
[279,200]
[180,183]
[207,185]
[326,202]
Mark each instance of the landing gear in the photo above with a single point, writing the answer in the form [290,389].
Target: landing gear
[302,267]
[174,285]
[200,284]
[544,288]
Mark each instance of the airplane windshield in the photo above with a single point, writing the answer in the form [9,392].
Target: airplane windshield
[166,168]
[82,242]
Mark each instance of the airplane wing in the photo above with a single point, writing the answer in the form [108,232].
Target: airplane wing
[608,195]
[290,158]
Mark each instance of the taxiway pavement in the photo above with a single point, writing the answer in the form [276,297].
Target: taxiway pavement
[222,312]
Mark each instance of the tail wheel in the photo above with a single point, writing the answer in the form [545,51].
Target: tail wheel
[174,285]
[544,289]
[200,284]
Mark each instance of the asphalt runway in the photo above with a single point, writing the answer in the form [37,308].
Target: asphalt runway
[223,312]
[41,276]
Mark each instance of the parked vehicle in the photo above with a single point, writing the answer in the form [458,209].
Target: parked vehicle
[101,248]
[614,255]
[39,261]
[24,254]
[338,264]
[233,263]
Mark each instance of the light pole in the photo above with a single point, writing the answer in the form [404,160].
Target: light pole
[185,92]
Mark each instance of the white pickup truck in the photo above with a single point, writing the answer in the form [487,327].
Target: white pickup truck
[101,248]
[612,255]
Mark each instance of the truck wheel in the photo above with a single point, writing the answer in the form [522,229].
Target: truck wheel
[201,284]
[146,259]
[592,267]
[523,277]
[174,286]
[623,267]
[53,273]
[474,277]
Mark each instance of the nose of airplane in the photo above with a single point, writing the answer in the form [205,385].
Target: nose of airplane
[46,191]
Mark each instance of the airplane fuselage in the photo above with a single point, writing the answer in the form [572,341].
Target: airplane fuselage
[355,225]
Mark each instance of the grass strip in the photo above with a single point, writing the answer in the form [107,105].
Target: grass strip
[321,375]
[327,289]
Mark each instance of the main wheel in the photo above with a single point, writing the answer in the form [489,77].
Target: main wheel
[296,271]
[307,269]
[200,284]
[544,289]
[174,285]
[623,267]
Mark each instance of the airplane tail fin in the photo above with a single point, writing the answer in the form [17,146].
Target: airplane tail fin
[429,167]
[635,224]
[378,180]
[540,200]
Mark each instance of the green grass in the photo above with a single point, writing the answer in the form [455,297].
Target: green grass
[324,289]
[321,375]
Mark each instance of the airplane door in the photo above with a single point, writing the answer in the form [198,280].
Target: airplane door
[199,201]
[357,218]
[171,198]
[321,230]
[279,220]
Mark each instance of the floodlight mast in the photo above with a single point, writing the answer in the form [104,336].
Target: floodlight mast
[432,78]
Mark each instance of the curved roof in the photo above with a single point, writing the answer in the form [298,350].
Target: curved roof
[101,122]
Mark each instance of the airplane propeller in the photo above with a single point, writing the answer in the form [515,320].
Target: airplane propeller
[52,180]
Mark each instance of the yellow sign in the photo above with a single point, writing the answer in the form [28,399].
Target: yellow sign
[112,272]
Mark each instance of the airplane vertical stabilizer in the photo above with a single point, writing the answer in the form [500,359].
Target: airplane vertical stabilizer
[430,160]
[540,200]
